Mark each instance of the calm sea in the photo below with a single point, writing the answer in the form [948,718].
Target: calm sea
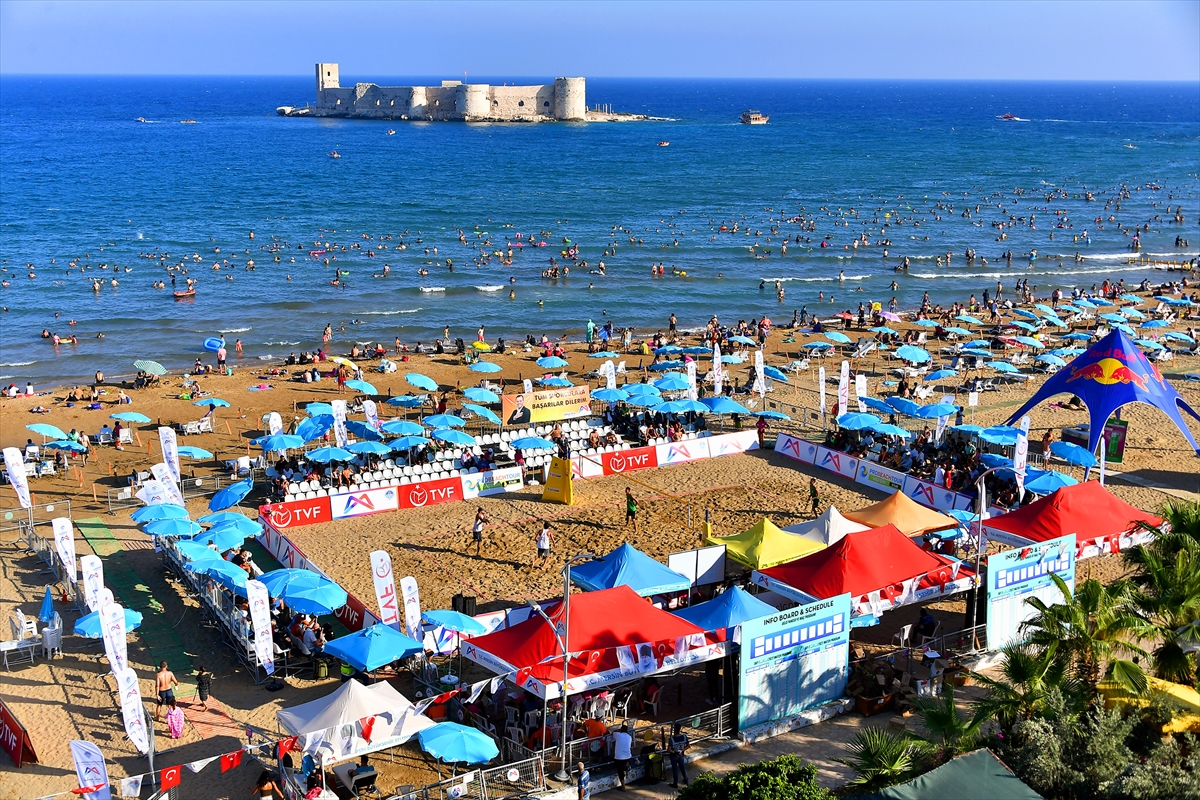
[81,179]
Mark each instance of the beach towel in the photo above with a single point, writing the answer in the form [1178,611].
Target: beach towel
[175,722]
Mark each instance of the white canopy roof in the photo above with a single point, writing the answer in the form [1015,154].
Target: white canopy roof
[350,703]
[826,529]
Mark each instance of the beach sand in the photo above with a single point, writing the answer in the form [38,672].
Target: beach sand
[71,697]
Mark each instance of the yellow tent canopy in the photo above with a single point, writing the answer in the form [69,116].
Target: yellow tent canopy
[765,545]
[907,514]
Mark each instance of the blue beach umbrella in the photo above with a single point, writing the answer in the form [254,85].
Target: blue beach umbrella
[454,621]
[926,323]
[941,374]
[1132,313]
[1154,323]
[730,358]
[454,743]
[314,427]
[1179,337]
[695,350]
[159,511]
[194,551]
[47,430]
[1131,298]
[969,318]
[974,430]
[996,460]
[935,410]
[999,434]
[1050,482]
[231,495]
[402,427]
[129,416]
[172,527]
[1029,341]
[917,355]
[1025,313]
[218,517]
[421,381]
[837,336]
[408,442]
[878,405]
[188,451]
[555,381]
[89,627]
[892,430]
[779,415]
[1050,358]
[604,354]
[723,405]
[454,437]
[855,421]
[224,538]
[774,373]
[229,575]
[478,394]
[1112,317]
[1125,329]
[1002,366]
[373,647]
[317,409]
[958,331]
[362,430]
[1078,336]
[46,612]
[407,400]
[1103,301]
[742,340]
[212,402]
[662,366]
[645,389]
[531,443]
[484,413]
[666,350]
[483,366]
[881,329]
[1149,344]
[1054,320]
[672,384]
[681,407]
[643,401]
[324,455]
[1067,352]
[369,448]
[1083,302]
[361,386]
[812,346]
[904,405]
[551,362]
[280,442]
[65,444]
[304,591]
[443,421]
[610,395]
[1022,325]
[1044,307]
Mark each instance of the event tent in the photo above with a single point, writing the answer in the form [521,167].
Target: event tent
[978,775]
[907,514]
[765,545]
[881,568]
[1088,510]
[628,566]
[726,610]
[826,529]
[389,715]
[600,622]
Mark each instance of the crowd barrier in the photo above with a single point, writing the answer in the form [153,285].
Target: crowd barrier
[619,462]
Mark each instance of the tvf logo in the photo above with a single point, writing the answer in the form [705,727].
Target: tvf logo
[421,496]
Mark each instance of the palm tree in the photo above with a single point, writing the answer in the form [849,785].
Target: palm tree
[1028,674]
[1093,630]
[1167,577]
[881,757]
[954,732]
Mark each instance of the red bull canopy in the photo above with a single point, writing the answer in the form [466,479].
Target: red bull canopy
[1112,373]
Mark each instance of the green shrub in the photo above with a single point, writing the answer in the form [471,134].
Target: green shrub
[782,778]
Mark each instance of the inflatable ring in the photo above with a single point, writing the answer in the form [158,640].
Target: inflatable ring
[212,344]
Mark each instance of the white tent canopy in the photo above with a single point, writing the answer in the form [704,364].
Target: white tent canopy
[332,726]
[826,529]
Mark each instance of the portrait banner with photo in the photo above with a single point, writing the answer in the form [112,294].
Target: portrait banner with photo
[549,405]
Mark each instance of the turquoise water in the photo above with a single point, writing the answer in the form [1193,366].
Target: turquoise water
[83,181]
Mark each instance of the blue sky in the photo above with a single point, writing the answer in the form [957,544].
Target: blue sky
[1029,40]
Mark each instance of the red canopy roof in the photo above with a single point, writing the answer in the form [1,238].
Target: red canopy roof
[600,621]
[858,563]
[1087,510]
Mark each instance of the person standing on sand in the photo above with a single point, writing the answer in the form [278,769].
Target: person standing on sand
[631,508]
[814,496]
[341,378]
[164,684]
[477,530]
[761,425]
[543,544]
[203,686]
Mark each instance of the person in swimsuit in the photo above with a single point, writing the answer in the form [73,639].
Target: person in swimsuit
[164,684]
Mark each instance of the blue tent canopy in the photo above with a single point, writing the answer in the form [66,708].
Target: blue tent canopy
[630,567]
[726,610]
[1112,373]
[373,647]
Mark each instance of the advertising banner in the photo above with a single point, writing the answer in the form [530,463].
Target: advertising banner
[728,444]
[718,371]
[844,389]
[339,422]
[260,618]
[430,493]
[133,712]
[152,493]
[629,460]
[14,464]
[871,474]
[90,770]
[112,626]
[1014,576]
[64,544]
[682,452]
[795,447]
[162,474]
[586,466]
[760,377]
[545,405]
[15,739]
[364,501]
[691,377]
[934,496]
[93,580]
[493,481]
[352,615]
[412,607]
[372,413]
[170,449]
[296,513]
[385,588]
[1021,455]
[794,660]
[274,423]
[835,461]
[821,386]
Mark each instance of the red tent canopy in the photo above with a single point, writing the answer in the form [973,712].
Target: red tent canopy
[1087,510]
[859,563]
[600,621]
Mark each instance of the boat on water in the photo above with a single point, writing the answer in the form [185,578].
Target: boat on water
[335,154]
[142,119]
[664,144]
[391,131]
[754,118]
[187,122]
[185,294]
[1010,118]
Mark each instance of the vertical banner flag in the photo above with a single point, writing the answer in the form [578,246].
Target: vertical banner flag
[760,377]
[112,626]
[412,607]
[844,389]
[1021,456]
[170,448]
[132,709]
[941,428]
[718,372]
[860,390]
[372,412]
[274,423]
[609,371]
[152,493]
[14,463]
[64,543]
[93,580]
[691,376]
[260,618]
[162,474]
[90,769]
[339,422]
[385,588]
[528,384]
[821,382]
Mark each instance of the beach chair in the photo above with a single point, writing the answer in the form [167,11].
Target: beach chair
[190,428]
[205,425]
[126,436]
[621,368]
[799,365]
[923,392]
[104,437]
[863,347]
[32,453]
[1191,376]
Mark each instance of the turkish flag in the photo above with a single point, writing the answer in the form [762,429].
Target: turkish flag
[231,760]
[89,789]
[523,675]
[593,659]
[663,649]
[169,778]
[286,746]
[890,593]
[368,724]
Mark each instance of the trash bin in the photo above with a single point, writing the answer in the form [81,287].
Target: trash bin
[320,669]
[654,767]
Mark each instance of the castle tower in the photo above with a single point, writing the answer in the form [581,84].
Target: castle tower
[327,78]
[471,101]
[570,100]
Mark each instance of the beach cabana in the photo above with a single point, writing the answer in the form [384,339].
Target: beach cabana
[880,568]
[1101,521]
[765,545]
[907,514]
[628,566]
[826,529]
[727,610]
[613,634]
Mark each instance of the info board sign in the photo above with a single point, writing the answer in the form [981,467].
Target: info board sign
[545,405]
[794,660]
[1016,575]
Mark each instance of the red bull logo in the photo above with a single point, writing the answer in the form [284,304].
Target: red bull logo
[1108,371]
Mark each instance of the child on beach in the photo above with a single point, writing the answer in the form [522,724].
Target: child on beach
[203,686]
[543,544]
[175,719]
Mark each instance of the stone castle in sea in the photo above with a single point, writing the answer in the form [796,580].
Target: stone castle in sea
[562,101]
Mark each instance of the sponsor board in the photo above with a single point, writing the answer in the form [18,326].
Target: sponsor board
[683,452]
[587,466]
[629,460]
[796,448]
[934,496]
[728,444]
[430,493]
[15,739]
[494,481]
[870,474]
[836,461]
[546,405]
[364,501]
[296,513]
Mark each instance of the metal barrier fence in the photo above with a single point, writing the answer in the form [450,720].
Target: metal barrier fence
[121,497]
[804,418]
[37,545]
[965,642]
[12,518]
